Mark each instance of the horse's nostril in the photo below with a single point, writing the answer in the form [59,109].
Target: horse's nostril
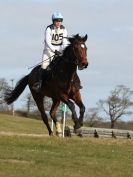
[86,65]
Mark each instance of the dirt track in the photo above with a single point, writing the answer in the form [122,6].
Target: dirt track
[2,133]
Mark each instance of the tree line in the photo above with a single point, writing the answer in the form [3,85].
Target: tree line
[116,106]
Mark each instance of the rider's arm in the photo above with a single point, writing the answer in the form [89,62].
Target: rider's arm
[48,39]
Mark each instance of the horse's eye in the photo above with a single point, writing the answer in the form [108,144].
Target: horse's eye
[82,46]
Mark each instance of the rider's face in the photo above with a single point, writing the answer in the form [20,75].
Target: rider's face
[57,23]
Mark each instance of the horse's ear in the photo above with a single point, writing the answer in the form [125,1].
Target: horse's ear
[85,38]
[77,36]
[70,39]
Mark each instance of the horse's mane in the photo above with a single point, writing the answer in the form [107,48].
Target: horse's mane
[54,62]
[58,59]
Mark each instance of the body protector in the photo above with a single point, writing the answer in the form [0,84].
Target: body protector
[55,39]
[57,35]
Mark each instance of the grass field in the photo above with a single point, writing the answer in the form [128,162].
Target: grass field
[27,156]
[21,125]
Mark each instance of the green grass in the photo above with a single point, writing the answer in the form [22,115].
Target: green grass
[58,157]
[21,125]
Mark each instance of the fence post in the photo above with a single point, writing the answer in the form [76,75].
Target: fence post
[52,125]
[64,120]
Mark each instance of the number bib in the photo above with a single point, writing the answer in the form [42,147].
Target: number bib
[57,36]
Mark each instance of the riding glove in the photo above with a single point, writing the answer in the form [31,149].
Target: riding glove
[57,52]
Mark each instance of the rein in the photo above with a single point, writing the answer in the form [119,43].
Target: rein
[75,60]
[40,62]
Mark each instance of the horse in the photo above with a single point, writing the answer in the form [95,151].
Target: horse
[60,86]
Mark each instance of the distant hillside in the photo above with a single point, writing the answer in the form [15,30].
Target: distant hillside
[9,123]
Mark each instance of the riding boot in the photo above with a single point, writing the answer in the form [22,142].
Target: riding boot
[42,78]
[45,76]
[37,85]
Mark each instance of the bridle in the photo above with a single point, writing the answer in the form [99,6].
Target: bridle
[76,61]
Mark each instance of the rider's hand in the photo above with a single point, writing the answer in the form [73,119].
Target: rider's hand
[57,52]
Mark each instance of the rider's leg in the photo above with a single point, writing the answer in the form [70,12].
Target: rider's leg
[43,72]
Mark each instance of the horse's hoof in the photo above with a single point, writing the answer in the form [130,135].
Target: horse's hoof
[77,126]
[81,122]
[78,131]
[51,134]
[59,134]
[80,135]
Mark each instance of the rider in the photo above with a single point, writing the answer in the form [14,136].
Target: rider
[55,42]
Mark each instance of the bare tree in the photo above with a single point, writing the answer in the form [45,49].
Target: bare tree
[117,104]
[47,103]
[92,116]
[30,104]
[3,86]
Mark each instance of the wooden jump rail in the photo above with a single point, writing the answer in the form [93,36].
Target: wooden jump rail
[100,132]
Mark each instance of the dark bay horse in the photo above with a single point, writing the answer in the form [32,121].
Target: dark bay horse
[60,86]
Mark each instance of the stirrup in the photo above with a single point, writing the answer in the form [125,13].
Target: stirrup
[48,69]
[37,86]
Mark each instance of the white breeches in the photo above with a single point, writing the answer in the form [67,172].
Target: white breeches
[47,58]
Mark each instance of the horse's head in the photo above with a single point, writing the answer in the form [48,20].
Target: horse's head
[79,50]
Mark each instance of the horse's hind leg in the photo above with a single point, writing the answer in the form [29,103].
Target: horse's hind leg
[39,101]
[53,116]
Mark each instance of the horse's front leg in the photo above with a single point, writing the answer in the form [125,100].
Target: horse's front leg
[77,99]
[82,111]
[71,106]
[53,116]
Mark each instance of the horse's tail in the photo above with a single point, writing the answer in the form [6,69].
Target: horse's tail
[12,95]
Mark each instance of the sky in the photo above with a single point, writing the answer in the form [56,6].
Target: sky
[109,27]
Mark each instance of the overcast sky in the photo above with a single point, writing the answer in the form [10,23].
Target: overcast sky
[108,24]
